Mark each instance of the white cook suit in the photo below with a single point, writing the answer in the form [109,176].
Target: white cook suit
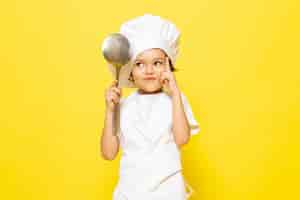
[150,165]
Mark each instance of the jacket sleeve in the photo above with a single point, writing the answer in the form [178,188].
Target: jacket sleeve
[194,125]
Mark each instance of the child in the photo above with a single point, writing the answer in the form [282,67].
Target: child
[155,120]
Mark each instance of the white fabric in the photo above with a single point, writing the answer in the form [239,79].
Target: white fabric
[146,32]
[150,31]
[173,188]
[149,151]
[190,116]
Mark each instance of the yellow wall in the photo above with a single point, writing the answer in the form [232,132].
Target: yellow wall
[239,66]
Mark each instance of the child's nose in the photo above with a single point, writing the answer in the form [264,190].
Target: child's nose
[149,69]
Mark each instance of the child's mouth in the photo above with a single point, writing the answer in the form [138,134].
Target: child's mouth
[150,78]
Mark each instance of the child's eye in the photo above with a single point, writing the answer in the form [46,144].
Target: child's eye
[158,62]
[138,64]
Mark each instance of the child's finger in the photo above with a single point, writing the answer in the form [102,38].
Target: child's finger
[117,90]
[114,83]
[114,98]
[163,78]
[167,65]
[113,101]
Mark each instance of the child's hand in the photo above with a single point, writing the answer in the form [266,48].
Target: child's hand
[112,96]
[168,80]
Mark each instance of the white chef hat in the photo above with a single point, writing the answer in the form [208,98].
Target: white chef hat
[146,32]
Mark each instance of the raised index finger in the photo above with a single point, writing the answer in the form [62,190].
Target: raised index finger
[167,65]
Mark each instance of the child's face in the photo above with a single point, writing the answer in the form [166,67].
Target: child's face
[147,69]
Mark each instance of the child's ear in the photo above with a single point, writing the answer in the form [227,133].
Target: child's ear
[130,77]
